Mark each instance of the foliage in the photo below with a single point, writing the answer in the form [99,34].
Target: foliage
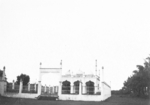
[138,84]
[25,78]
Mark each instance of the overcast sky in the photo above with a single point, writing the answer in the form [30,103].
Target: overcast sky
[115,32]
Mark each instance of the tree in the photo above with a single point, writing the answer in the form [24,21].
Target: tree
[25,78]
[138,84]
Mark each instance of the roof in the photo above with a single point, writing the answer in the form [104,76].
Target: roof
[1,73]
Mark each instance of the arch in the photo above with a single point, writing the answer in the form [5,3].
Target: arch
[66,87]
[90,87]
[48,70]
[76,86]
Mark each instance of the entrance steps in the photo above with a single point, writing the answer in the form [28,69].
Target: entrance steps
[47,97]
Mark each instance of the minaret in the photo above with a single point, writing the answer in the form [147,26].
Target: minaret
[40,65]
[95,67]
[61,64]
[99,73]
[60,69]
[40,75]
[3,77]
[102,74]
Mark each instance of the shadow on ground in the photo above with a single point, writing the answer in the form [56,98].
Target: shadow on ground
[114,100]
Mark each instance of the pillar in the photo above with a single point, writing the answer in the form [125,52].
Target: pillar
[13,85]
[53,89]
[80,88]
[49,89]
[56,89]
[60,88]
[71,91]
[28,86]
[95,88]
[20,87]
[3,75]
[39,88]
[40,78]
[101,83]
[45,88]
[95,68]
[35,87]
[84,88]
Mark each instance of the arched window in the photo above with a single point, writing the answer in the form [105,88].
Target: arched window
[66,87]
[76,87]
[90,87]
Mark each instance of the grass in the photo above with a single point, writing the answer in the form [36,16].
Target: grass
[114,100]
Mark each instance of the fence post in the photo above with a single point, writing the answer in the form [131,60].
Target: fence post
[49,89]
[45,88]
[60,89]
[20,86]
[35,87]
[56,89]
[13,85]
[102,85]
[52,89]
[39,88]
[28,86]
[80,87]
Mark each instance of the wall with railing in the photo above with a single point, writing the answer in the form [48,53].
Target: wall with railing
[49,90]
[15,88]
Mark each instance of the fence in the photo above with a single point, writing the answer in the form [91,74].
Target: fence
[49,90]
[12,88]
[30,88]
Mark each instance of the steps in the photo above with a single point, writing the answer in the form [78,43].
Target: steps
[44,97]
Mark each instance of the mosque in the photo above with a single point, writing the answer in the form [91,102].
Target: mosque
[79,86]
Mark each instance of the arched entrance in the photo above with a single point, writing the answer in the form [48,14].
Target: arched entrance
[48,70]
[66,87]
[90,87]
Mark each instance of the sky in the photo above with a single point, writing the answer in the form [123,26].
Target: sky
[115,32]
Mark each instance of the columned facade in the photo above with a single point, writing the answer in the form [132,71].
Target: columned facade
[79,86]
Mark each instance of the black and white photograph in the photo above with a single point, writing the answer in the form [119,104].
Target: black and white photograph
[75,52]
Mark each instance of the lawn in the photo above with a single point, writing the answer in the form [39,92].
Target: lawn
[114,100]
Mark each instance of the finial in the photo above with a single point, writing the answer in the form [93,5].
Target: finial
[4,68]
[40,64]
[96,67]
[96,64]
[61,64]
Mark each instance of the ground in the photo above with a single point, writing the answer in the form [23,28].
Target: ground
[114,100]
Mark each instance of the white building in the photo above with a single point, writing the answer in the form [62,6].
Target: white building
[81,86]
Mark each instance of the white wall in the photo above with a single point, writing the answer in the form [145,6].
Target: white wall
[80,97]
[22,95]
[2,87]
[106,91]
